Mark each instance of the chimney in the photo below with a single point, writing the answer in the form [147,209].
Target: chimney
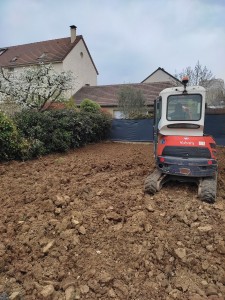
[73,33]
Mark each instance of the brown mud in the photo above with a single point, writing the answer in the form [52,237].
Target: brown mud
[79,226]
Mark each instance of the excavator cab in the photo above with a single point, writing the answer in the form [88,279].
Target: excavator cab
[182,151]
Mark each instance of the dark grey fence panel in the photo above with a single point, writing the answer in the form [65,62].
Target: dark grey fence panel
[132,130]
[215,126]
[142,130]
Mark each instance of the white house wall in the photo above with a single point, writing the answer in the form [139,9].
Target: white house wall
[78,61]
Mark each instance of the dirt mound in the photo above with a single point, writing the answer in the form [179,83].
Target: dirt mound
[78,226]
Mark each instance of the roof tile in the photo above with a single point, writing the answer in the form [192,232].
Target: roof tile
[29,54]
[107,95]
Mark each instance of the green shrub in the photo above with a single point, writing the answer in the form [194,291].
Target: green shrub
[88,105]
[61,130]
[9,138]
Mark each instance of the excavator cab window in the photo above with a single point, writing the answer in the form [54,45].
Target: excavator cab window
[187,107]
[157,117]
[157,110]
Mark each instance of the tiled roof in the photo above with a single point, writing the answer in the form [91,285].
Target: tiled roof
[107,95]
[31,54]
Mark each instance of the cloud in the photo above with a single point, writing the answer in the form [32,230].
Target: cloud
[128,39]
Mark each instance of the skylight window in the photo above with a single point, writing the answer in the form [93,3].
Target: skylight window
[14,59]
[2,50]
[42,56]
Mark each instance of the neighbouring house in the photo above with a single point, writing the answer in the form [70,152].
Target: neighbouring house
[160,75]
[65,54]
[107,95]
[215,93]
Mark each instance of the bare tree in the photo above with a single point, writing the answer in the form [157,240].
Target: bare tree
[34,87]
[131,102]
[199,75]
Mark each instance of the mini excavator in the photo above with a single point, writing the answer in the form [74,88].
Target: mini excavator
[182,151]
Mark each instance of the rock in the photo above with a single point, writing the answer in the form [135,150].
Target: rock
[75,240]
[75,222]
[163,214]
[2,249]
[206,228]
[82,230]
[149,206]
[77,294]
[114,216]
[70,293]
[105,277]
[58,210]
[220,248]
[139,217]
[204,282]
[77,217]
[15,296]
[175,294]
[222,279]
[59,201]
[210,248]
[84,289]
[119,285]
[211,290]
[219,205]
[47,291]
[205,265]
[48,246]
[117,226]
[67,282]
[159,252]
[99,193]
[195,224]
[196,297]
[147,227]
[112,293]
[181,253]
[67,234]
[48,205]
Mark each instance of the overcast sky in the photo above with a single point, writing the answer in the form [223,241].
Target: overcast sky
[128,39]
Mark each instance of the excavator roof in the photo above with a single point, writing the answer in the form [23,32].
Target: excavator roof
[180,89]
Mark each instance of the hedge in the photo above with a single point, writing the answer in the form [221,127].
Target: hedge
[61,130]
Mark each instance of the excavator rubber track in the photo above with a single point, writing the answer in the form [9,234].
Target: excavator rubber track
[207,186]
[154,182]
[207,189]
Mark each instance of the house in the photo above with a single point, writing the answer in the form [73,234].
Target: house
[107,95]
[215,93]
[160,75]
[65,54]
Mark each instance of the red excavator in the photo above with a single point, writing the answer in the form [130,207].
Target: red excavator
[182,151]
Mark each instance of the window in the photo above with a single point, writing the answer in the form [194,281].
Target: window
[43,56]
[10,69]
[14,59]
[118,114]
[2,50]
[81,54]
[186,107]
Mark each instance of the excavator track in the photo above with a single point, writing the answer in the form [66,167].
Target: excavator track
[207,189]
[207,186]
[154,182]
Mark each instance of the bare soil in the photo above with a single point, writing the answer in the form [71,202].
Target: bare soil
[79,226]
